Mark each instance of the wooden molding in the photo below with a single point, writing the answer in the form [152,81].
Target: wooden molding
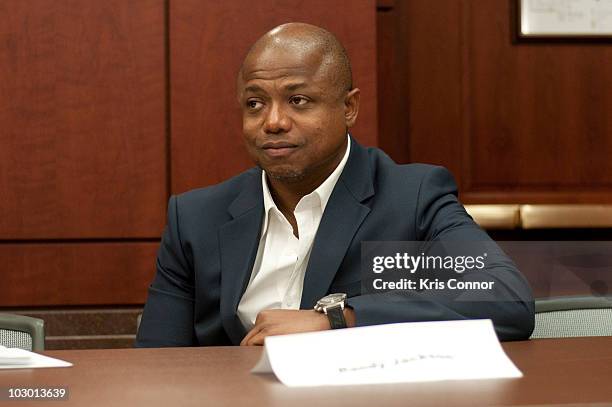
[561,216]
[566,216]
[495,216]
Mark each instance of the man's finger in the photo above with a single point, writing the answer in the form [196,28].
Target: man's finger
[258,339]
[249,335]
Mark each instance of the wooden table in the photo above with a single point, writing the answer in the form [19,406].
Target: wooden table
[557,371]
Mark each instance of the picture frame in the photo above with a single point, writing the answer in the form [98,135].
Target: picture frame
[565,19]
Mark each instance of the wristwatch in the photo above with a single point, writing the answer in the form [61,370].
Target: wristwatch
[332,305]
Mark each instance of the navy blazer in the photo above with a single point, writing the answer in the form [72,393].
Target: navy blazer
[211,239]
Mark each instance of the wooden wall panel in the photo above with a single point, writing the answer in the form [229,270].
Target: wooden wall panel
[209,39]
[76,274]
[515,121]
[540,112]
[392,80]
[421,73]
[82,119]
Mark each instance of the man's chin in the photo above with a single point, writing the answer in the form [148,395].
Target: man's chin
[285,175]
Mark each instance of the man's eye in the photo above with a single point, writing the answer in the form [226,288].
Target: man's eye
[253,104]
[298,100]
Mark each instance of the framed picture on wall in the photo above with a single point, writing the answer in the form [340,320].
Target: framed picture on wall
[565,18]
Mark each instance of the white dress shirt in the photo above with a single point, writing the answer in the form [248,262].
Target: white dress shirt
[277,278]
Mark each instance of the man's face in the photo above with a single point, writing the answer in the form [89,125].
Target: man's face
[294,117]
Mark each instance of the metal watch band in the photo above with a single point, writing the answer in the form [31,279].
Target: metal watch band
[335,315]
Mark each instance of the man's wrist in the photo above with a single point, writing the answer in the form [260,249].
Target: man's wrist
[325,324]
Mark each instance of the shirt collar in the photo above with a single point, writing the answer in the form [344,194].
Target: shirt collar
[323,191]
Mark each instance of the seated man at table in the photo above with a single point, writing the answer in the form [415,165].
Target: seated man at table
[252,256]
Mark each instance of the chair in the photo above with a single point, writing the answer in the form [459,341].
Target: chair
[573,316]
[19,331]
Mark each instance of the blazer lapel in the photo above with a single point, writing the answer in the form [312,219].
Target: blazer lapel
[343,215]
[239,240]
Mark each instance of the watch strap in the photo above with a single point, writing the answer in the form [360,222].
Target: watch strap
[335,315]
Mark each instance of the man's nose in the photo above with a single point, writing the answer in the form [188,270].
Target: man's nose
[276,121]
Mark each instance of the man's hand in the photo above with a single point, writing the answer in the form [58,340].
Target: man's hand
[283,321]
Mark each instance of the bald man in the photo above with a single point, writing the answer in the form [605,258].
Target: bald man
[277,249]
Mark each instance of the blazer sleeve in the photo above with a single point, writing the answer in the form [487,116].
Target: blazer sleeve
[440,217]
[167,319]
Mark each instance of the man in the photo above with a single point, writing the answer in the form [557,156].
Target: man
[252,256]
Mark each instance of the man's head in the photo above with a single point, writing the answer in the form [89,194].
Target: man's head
[295,92]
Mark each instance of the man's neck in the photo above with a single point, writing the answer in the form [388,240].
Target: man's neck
[287,193]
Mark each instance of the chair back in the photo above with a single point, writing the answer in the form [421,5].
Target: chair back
[19,331]
[566,317]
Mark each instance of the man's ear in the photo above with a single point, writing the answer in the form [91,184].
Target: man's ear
[351,107]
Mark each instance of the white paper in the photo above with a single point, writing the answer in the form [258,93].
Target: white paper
[14,358]
[393,353]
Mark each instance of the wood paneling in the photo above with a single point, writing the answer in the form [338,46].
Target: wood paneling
[515,121]
[82,119]
[76,274]
[420,110]
[435,94]
[392,80]
[540,113]
[209,39]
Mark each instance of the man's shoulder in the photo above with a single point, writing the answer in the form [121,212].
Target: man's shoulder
[218,196]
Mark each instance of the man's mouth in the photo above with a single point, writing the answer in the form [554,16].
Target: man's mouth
[278,148]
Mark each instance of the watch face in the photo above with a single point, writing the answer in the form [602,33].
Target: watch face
[332,299]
